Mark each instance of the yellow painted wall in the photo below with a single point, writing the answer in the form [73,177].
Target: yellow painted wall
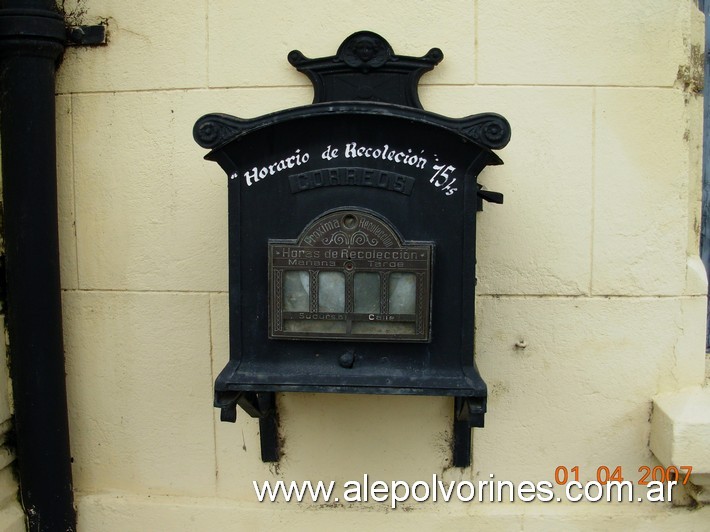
[12,518]
[591,260]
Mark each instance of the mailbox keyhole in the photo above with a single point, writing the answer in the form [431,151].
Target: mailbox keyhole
[349,221]
[347,359]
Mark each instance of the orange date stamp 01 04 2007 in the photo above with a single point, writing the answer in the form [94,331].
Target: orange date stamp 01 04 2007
[605,474]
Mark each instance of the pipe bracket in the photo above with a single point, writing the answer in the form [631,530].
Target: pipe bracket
[87,35]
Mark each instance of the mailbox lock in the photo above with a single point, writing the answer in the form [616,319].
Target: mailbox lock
[349,221]
[347,359]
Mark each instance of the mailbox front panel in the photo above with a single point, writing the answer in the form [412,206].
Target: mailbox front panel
[409,190]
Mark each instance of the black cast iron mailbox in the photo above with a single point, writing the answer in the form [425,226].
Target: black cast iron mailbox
[352,237]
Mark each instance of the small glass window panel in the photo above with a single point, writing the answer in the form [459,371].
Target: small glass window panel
[331,292]
[367,293]
[297,291]
[403,293]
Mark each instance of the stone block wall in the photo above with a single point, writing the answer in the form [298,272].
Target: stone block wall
[592,260]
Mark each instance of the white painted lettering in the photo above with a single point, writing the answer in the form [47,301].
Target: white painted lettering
[258,173]
[329,153]
[250,176]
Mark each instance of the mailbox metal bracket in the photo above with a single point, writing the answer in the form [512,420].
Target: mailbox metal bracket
[366,82]
[468,413]
[261,405]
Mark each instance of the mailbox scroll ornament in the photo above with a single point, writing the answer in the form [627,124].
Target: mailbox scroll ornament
[352,238]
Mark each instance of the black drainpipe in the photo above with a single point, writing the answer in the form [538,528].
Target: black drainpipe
[32,37]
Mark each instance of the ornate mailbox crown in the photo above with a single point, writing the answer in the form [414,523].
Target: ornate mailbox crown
[352,234]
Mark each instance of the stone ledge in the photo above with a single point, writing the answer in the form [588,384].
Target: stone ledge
[118,512]
[680,435]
